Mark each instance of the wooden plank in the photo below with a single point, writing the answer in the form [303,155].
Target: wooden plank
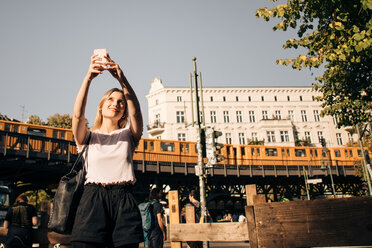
[174,213]
[190,213]
[250,191]
[231,231]
[258,199]
[251,223]
[190,218]
[323,222]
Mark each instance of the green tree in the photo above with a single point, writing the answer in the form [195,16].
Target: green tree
[35,120]
[62,121]
[336,34]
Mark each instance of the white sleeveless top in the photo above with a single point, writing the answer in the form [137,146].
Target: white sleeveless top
[109,159]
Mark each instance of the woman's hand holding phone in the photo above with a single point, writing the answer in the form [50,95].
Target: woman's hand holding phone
[102,57]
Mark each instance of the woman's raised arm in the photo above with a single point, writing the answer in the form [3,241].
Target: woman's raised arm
[136,121]
[79,128]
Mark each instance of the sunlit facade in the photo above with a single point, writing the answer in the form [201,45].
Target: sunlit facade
[280,116]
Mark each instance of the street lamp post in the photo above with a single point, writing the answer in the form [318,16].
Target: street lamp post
[199,168]
[325,151]
[306,178]
[364,163]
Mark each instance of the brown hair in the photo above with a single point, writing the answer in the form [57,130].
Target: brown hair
[122,122]
[154,194]
[21,198]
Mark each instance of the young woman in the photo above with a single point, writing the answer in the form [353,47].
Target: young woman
[108,215]
[19,221]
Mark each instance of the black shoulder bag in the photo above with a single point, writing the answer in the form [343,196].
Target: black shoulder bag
[67,197]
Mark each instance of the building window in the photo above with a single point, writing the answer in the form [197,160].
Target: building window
[213,117]
[224,98]
[275,98]
[270,136]
[262,98]
[179,98]
[350,136]
[320,136]
[335,120]
[303,115]
[251,116]
[254,137]
[291,115]
[241,139]
[313,97]
[308,137]
[301,98]
[278,116]
[237,98]
[226,117]
[211,98]
[288,98]
[182,136]
[228,138]
[316,116]
[249,98]
[156,102]
[180,117]
[339,139]
[284,136]
[157,119]
[239,117]
[296,135]
[264,115]
[201,117]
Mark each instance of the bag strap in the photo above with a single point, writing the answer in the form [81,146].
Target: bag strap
[77,161]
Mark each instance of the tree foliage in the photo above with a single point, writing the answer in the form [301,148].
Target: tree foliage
[35,120]
[336,34]
[62,121]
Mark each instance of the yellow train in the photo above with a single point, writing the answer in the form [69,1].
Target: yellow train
[186,151]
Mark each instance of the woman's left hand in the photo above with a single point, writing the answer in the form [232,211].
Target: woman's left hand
[114,69]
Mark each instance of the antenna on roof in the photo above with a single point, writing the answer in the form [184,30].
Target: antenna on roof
[23,107]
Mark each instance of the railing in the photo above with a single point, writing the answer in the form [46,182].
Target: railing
[37,146]
[156,124]
[32,146]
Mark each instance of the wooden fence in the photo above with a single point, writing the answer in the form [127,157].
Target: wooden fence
[314,223]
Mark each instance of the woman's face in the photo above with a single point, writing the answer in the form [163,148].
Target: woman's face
[113,106]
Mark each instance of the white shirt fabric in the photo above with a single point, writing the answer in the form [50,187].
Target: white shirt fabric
[242,218]
[109,159]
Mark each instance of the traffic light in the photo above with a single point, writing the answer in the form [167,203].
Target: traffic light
[212,147]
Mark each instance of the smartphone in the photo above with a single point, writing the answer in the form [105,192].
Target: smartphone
[102,53]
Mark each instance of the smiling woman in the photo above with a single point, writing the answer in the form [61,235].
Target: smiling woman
[107,212]
[113,102]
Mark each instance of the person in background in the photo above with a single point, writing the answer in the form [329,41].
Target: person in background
[19,221]
[108,215]
[193,197]
[158,234]
[242,218]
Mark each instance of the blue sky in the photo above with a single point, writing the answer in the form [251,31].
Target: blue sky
[46,48]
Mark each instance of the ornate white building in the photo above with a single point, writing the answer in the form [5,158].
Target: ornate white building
[277,115]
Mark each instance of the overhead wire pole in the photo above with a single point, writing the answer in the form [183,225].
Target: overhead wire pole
[364,163]
[200,168]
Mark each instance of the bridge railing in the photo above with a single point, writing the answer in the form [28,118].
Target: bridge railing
[64,150]
[37,146]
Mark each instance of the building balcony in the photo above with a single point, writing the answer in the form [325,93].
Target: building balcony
[155,128]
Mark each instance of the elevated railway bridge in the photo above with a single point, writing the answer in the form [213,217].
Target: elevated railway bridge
[34,162]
